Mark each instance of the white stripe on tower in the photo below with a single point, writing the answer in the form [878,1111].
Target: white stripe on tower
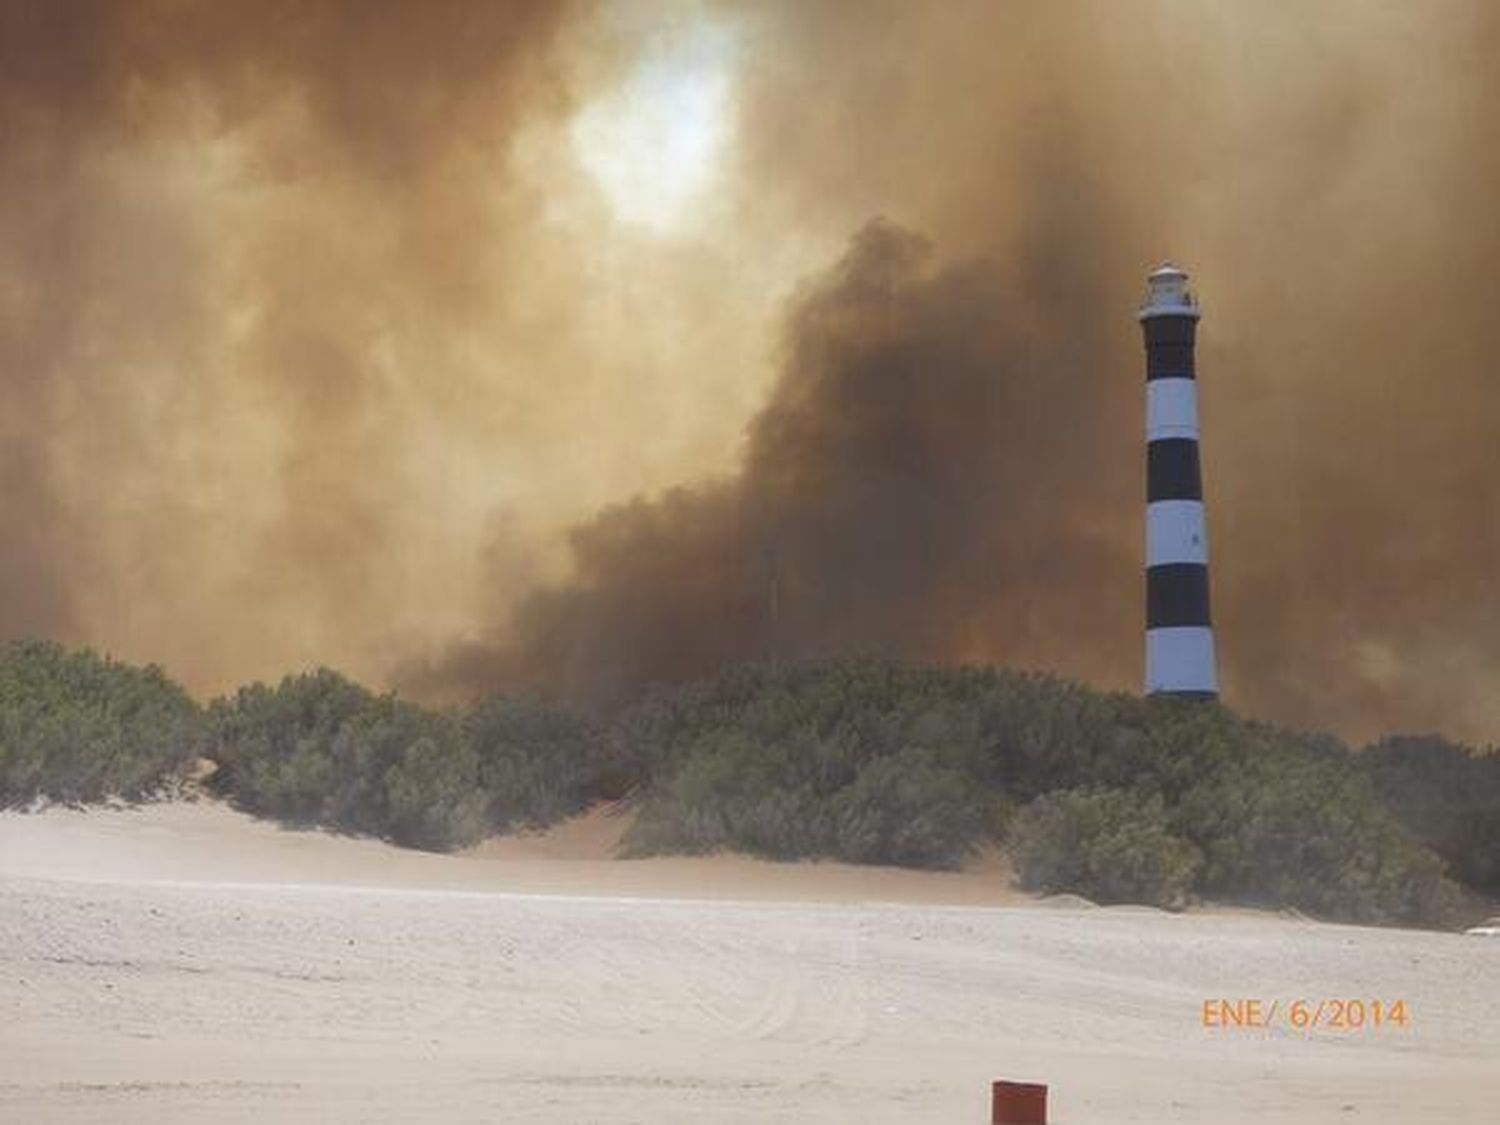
[1179,631]
[1172,408]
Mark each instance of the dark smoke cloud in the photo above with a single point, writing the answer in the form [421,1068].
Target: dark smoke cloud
[949,465]
[919,483]
[236,238]
[315,340]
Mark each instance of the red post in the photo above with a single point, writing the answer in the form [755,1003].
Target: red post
[1019,1103]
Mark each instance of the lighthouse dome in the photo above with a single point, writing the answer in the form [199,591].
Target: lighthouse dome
[1167,293]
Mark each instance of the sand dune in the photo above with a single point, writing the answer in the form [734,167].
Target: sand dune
[184,963]
[205,841]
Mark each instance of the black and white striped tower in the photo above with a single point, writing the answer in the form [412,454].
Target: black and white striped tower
[1179,631]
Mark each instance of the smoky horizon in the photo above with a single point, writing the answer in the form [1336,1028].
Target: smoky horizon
[576,347]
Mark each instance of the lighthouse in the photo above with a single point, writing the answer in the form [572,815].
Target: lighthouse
[1179,630]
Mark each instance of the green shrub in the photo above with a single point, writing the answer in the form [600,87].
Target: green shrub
[909,808]
[318,749]
[731,791]
[540,763]
[862,761]
[818,760]
[78,727]
[866,761]
[291,752]
[1106,844]
[1286,819]
[430,794]
[1446,796]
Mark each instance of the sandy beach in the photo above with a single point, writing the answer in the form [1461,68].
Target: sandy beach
[184,963]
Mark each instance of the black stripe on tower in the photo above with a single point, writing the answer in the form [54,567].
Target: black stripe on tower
[1169,346]
[1177,594]
[1172,470]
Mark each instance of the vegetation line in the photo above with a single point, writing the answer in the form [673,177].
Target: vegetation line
[1111,796]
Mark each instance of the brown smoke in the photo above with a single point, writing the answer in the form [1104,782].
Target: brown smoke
[930,478]
[315,338]
[269,382]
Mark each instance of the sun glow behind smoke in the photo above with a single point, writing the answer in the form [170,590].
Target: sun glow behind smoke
[653,146]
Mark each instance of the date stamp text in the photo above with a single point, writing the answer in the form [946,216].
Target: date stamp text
[1332,1013]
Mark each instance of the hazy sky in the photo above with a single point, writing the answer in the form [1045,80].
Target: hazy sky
[478,345]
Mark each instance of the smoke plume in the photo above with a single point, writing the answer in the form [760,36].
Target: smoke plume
[928,479]
[321,341]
